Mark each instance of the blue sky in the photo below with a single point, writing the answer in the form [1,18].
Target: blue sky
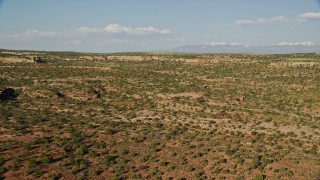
[146,25]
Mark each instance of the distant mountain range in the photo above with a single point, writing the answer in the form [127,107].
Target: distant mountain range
[281,48]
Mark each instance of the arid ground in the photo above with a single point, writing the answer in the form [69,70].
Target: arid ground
[159,116]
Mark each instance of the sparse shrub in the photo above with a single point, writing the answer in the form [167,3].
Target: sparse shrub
[258,177]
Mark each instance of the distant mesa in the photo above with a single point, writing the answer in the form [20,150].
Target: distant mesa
[8,94]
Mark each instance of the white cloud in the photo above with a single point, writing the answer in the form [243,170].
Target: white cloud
[272,20]
[115,28]
[223,44]
[38,33]
[244,22]
[84,29]
[308,15]
[119,41]
[285,43]
[30,34]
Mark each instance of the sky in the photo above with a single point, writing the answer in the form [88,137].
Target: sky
[150,25]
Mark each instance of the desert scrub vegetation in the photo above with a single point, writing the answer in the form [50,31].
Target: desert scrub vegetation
[160,116]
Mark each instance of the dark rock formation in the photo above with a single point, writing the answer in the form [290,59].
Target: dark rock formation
[38,59]
[60,95]
[8,94]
